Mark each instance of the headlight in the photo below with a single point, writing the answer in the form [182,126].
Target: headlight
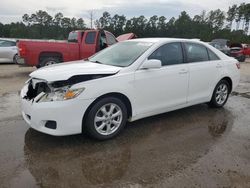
[61,94]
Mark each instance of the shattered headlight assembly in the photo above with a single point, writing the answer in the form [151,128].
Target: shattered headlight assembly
[61,94]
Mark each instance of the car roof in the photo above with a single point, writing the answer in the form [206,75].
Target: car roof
[165,40]
[161,41]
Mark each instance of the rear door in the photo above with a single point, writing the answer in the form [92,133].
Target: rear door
[204,71]
[159,89]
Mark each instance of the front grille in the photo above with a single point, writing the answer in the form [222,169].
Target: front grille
[36,89]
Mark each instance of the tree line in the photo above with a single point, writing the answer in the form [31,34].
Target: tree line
[41,25]
[232,25]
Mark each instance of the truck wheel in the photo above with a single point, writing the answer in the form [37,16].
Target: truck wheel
[49,61]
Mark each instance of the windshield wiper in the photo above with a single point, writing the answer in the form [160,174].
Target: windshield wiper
[96,62]
[107,64]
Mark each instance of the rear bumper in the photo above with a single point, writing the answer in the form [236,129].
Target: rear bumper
[236,55]
[235,80]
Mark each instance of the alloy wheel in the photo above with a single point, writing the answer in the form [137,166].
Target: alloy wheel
[221,93]
[108,119]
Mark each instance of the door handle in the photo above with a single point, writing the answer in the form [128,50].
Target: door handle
[183,71]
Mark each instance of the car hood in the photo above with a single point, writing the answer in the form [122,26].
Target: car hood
[65,71]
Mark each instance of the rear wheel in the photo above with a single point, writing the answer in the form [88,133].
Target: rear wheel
[242,58]
[49,61]
[106,118]
[15,58]
[220,94]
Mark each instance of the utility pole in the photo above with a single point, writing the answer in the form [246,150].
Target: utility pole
[91,17]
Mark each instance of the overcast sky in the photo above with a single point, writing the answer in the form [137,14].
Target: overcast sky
[12,10]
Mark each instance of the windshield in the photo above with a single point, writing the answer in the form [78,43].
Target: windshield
[121,54]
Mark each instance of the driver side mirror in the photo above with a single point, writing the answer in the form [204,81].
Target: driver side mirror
[151,64]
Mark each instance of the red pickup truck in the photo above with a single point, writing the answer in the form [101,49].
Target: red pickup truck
[246,49]
[80,45]
[240,51]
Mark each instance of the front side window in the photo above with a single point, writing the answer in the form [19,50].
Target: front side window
[90,38]
[121,54]
[196,52]
[169,54]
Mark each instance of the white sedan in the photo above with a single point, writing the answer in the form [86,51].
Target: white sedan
[8,51]
[126,82]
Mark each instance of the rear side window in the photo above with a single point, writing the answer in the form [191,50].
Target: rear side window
[73,37]
[169,54]
[90,38]
[196,52]
[110,39]
[212,55]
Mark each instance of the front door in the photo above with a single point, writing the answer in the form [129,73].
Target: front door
[156,90]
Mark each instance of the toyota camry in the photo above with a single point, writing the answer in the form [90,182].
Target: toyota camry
[126,82]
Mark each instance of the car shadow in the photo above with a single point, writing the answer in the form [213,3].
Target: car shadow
[147,148]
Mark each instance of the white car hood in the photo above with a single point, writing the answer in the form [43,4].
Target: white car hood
[66,70]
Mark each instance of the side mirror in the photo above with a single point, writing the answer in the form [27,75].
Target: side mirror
[151,64]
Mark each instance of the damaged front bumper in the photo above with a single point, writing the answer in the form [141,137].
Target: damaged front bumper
[66,116]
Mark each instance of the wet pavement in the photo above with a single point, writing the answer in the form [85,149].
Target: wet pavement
[193,147]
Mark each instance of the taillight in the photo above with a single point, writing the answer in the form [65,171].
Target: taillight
[22,50]
[238,65]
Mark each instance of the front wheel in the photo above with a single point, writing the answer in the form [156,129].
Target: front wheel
[106,118]
[220,94]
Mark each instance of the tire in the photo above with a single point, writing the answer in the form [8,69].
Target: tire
[15,58]
[242,58]
[48,61]
[220,94]
[109,126]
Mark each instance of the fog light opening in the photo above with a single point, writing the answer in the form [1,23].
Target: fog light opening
[28,116]
[50,124]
